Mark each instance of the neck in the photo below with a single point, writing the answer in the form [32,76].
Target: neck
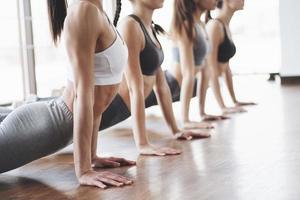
[197,15]
[145,14]
[98,3]
[226,15]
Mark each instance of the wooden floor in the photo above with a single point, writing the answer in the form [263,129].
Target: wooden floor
[255,155]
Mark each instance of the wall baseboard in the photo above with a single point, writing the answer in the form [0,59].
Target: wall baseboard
[290,80]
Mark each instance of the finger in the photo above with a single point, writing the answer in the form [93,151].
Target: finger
[122,161]
[159,153]
[109,181]
[199,134]
[224,117]
[118,177]
[202,135]
[122,179]
[207,126]
[108,163]
[99,184]
[188,137]
[211,118]
[170,151]
[152,153]
[181,137]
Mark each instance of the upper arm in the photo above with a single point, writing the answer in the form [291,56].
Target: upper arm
[133,37]
[82,31]
[215,34]
[160,82]
[186,53]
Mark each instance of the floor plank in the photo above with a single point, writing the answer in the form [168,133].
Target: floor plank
[254,155]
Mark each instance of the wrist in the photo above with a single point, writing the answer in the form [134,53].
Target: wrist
[81,172]
[175,130]
[178,134]
[223,107]
[143,145]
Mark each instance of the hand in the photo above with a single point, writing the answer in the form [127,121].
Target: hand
[239,103]
[158,151]
[103,179]
[197,125]
[111,162]
[232,110]
[206,117]
[189,135]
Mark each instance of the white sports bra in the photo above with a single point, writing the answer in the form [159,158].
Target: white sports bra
[109,63]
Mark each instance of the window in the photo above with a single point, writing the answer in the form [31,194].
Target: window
[11,86]
[51,62]
[256,34]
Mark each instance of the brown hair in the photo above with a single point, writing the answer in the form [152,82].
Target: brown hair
[118,11]
[220,4]
[183,18]
[57,12]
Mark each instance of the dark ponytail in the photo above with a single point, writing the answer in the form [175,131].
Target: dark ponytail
[220,4]
[158,29]
[207,16]
[118,11]
[57,12]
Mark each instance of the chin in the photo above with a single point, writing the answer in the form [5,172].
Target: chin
[159,4]
[212,8]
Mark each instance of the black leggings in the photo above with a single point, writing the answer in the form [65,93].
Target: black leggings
[117,111]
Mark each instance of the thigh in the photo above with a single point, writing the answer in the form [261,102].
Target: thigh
[103,97]
[31,132]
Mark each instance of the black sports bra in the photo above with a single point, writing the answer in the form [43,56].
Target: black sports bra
[227,48]
[151,57]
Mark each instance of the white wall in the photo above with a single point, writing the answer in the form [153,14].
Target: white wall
[289,11]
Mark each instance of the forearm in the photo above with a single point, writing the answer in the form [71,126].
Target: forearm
[96,125]
[165,102]
[83,128]
[138,115]
[229,82]
[186,95]
[203,91]
[217,90]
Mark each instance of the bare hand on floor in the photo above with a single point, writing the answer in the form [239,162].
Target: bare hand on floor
[191,134]
[103,179]
[158,151]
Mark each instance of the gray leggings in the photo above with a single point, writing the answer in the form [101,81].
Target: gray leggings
[33,131]
[38,129]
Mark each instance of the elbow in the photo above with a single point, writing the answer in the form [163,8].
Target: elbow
[136,92]
[188,73]
[162,90]
[83,96]
[188,78]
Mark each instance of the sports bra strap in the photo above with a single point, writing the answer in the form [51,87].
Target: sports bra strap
[136,18]
[223,24]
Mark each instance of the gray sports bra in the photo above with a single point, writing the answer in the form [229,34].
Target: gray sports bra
[201,47]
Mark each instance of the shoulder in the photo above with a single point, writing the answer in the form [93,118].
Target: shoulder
[132,32]
[83,14]
[214,30]
[214,26]
[131,25]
